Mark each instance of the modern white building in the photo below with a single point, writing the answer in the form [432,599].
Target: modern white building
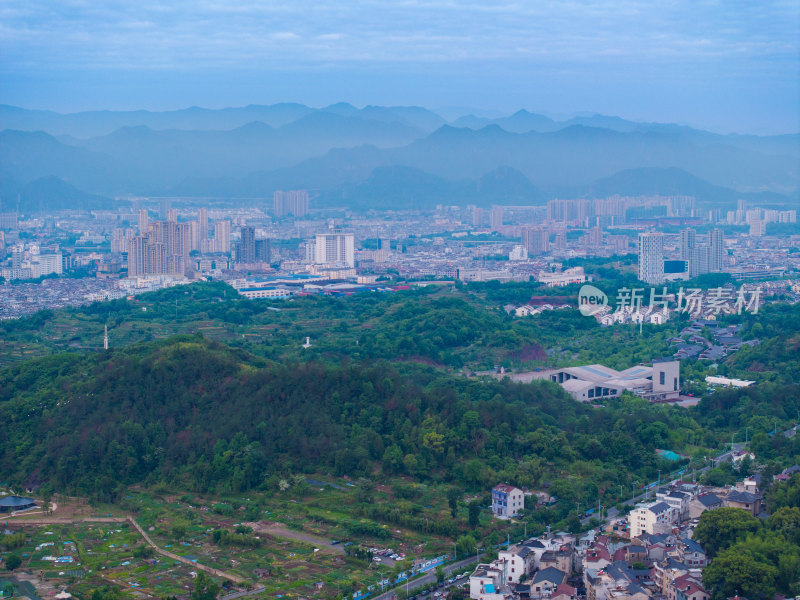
[659,382]
[564,278]
[651,258]
[334,249]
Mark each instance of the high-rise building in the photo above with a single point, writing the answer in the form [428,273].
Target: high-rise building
[688,242]
[293,202]
[477,216]
[120,238]
[699,260]
[144,221]
[202,220]
[172,215]
[222,236]
[263,250]
[651,258]
[163,209]
[496,217]
[163,250]
[246,249]
[758,227]
[596,237]
[717,254]
[535,241]
[334,248]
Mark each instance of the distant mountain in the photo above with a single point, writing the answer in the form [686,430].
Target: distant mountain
[26,156]
[362,153]
[47,194]
[89,124]
[674,182]
[411,188]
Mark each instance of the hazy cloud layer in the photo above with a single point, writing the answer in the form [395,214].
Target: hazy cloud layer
[723,62]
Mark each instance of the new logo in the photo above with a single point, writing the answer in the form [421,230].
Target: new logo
[591,300]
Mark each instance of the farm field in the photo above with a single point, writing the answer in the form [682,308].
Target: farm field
[294,543]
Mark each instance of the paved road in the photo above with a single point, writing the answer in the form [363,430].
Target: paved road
[427,579]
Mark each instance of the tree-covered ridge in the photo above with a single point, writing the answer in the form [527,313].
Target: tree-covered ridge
[205,416]
[452,327]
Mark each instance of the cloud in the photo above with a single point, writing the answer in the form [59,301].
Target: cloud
[631,43]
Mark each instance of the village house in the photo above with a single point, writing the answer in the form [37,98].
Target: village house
[744,500]
[507,501]
[657,517]
[702,503]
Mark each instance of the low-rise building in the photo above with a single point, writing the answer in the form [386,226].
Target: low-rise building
[487,582]
[744,500]
[656,517]
[507,501]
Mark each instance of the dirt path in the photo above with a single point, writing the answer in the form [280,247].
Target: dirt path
[132,521]
[186,561]
[279,531]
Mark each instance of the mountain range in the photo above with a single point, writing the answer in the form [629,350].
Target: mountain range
[389,157]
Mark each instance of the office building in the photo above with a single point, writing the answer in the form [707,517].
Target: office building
[334,248]
[651,258]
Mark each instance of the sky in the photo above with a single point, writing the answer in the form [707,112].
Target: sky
[727,66]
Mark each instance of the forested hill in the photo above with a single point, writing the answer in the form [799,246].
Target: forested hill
[203,416]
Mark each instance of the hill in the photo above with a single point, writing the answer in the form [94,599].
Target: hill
[203,416]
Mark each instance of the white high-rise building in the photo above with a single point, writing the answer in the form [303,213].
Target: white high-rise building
[222,236]
[717,242]
[334,248]
[651,258]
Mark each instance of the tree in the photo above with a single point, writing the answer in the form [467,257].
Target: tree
[474,514]
[439,574]
[465,545]
[453,494]
[205,588]
[734,573]
[13,562]
[718,529]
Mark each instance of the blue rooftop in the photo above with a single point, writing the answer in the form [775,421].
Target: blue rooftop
[15,501]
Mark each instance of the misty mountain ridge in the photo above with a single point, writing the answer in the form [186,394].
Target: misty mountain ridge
[386,153]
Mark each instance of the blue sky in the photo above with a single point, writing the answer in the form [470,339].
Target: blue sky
[727,66]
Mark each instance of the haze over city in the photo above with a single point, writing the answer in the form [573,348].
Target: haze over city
[721,66]
[414,300]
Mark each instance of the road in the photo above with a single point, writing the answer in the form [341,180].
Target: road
[276,530]
[427,579]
